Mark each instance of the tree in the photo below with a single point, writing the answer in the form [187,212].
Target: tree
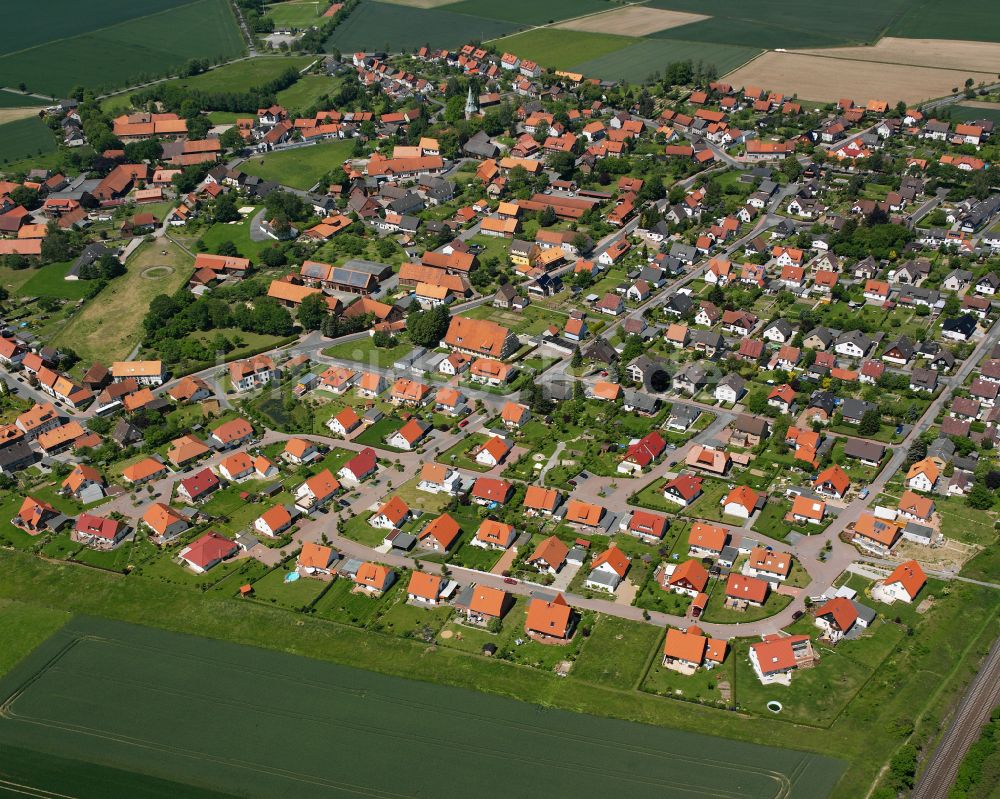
[791,168]
[578,391]
[576,361]
[56,245]
[757,402]
[871,422]
[231,139]
[547,218]
[225,209]
[980,497]
[312,311]
[427,328]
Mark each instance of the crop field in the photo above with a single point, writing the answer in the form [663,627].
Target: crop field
[120,54]
[975,110]
[25,137]
[563,49]
[530,12]
[306,91]
[779,23]
[375,25]
[213,712]
[301,167]
[942,19]
[814,77]
[632,21]
[18,100]
[638,61]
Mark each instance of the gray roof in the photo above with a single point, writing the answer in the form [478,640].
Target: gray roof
[603,578]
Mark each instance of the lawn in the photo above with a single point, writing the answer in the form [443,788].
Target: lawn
[563,49]
[300,167]
[300,593]
[458,454]
[702,686]
[24,627]
[617,652]
[24,138]
[366,353]
[49,281]
[771,521]
[716,612]
[296,13]
[392,27]
[236,232]
[109,328]
[376,434]
[306,91]
[116,47]
[340,603]
[241,76]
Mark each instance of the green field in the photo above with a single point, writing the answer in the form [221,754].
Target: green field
[562,49]
[114,47]
[385,26]
[243,75]
[49,281]
[206,705]
[963,113]
[977,20]
[531,12]
[302,167]
[306,91]
[638,61]
[779,23]
[17,100]
[297,13]
[24,138]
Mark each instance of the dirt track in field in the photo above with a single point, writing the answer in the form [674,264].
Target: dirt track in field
[827,78]
[631,21]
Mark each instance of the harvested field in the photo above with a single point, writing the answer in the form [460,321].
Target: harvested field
[421,3]
[826,79]
[942,53]
[206,702]
[13,114]
[632,21]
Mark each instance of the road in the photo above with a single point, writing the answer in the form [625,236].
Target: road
[981,697]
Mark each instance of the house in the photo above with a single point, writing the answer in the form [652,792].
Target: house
[549,556]
[550,619]
[164,523]
[782,397]
[98,532]
[232,434]
[480,337]
[409,392]
[749,431]
[832,482]
[315,491]
[36,516]
[777,656]
[960,328]
[642,453]
[585,514]
[146,373]
[440,534]
[515,415]
[392,514]
[489,490]
[876,534]
[315,560]
[743,590]
[683,489]
[608,570]
[207,551]
[688,579]
[707,540]
[730,388]
[345,422]
[436,478]
[494,535]
[493,451]
[836,618]
[903,584]
[487,604]
[708,459]
[299,451]
[409,435]
[650,527]
[742,501]
[198,486]
[424,588]
[768,564]
[359,467]
[274,521]
[252,373]
[373,578]
[915,507]
[923,475]
[806,510]
[84,483]
[539,500]
[687,651]
[143,471]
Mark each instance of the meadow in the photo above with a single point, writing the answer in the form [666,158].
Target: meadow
[109,327]
[296,13]
[301,167]
[119,53]
[18,100]
[563,49]
[384,26]
[23,138]
[74,696]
